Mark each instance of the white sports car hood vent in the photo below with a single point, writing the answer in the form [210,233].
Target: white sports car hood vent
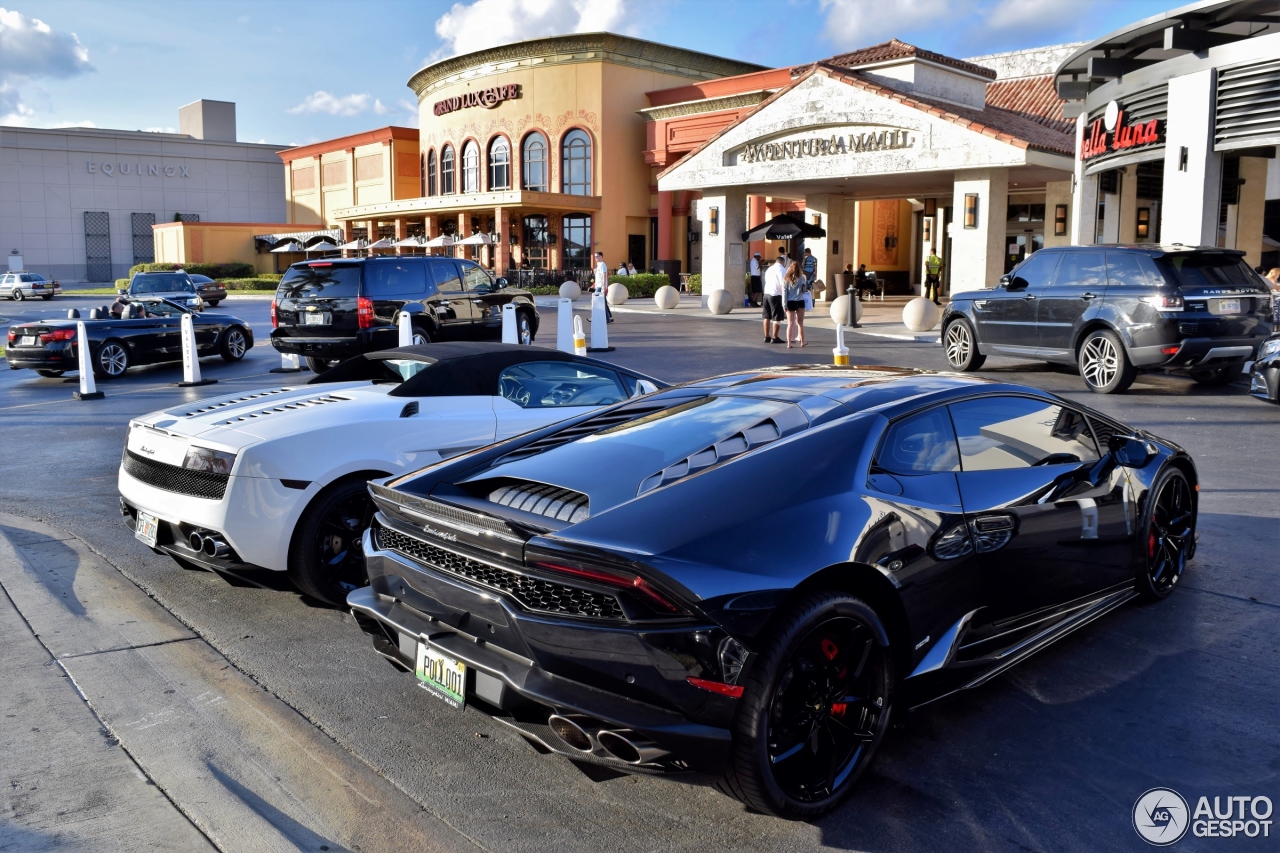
[541,499]
[320,400]
[233,401]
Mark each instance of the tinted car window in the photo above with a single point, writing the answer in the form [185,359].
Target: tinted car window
[162,283]
[1036,271]
[1082,269]
[1018,432]
[1130,269]
[474,277]
[446,276]
[395,278]
[546,384]
[1203,270]
[336,281]
[921,444]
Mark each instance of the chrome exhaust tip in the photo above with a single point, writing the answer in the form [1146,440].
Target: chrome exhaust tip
[196,541]
[214,548]
[576,732]
[630,748]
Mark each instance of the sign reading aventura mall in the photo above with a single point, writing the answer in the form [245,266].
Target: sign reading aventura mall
[826,146]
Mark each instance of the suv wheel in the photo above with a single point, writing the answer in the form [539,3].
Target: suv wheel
[961,346]
[1104,365]
[1216,375]
[421,336]
[319,365]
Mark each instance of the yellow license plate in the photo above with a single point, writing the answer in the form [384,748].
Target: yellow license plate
[441,675]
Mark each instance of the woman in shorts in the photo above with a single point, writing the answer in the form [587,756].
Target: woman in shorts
[796,286]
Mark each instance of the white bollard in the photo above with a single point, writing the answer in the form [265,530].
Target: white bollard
[841,352]
[405,324]
[564,325]
[599,324]
[579,337]
[510,335]
[290,362]
[88,389]
[190,356]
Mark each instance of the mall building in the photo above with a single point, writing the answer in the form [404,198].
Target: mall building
[80,203]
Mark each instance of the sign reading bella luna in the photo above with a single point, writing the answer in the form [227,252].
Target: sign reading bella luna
[487,98]
[826,146]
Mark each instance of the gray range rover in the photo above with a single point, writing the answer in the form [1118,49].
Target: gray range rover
[1115,310]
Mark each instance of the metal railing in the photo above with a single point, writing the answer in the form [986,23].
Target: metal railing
[525,278]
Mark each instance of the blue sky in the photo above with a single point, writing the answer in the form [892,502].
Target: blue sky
[301,72]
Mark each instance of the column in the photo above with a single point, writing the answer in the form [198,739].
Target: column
[502,248]
[1250,210]
[977,253]
[723,254]
[372,226]
[401,233]
[464,225]
[664,226]
[1084,196]
[351,175]
[1189,214]
[831,208]
[1056,193]
[1111,210]
[428,230]
[348,234]
[756,215]
[1126,224]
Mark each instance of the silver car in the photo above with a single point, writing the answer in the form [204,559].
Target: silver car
[20,284]
[174,286]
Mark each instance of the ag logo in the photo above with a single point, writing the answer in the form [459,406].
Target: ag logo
[1160,816]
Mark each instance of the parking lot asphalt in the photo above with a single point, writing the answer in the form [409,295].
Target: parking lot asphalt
[1049,756]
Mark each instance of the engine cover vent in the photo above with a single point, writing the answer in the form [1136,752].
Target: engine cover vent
[722,451]
[321,400]
[213,407]
[541,499]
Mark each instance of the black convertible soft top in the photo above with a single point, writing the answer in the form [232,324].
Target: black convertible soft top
[457,368]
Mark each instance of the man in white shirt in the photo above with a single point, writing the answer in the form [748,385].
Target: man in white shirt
[774,289]
[756,284]
[602,283]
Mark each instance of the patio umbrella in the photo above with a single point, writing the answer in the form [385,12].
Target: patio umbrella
[289,247]
[783,227]
[357,244]
[477,239]
[322,246]
[439,242]
[384,243]
[415,242]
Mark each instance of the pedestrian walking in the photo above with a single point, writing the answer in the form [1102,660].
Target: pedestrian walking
[809,266]
[1273,278]
[757,286]
[774,290]
[933,276]
[602,284]
[795,286]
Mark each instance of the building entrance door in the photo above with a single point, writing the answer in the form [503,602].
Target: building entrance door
[635,250]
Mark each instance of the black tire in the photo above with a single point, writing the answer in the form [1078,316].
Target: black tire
[421,336]
[960,346]
[46,297]
[1167,536]
[213,303]
[806,663]
[319,365]
[17,295]
[326,557]
[1103,363]
[524,328]
[51,374]
[233,344]
[111,360]
[1216,375]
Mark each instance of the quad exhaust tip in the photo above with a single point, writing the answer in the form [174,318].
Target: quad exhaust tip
[630,748]
[215,548]
[196,541]
[575,732]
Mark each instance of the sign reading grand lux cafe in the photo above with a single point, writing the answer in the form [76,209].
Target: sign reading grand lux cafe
[487,98]
[826,146]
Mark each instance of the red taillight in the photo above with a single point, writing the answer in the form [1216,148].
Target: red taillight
[733,691]
[275,320]
[631,582]
[1169,350]
[321,263]
[13,335]
[58,335]
[364,312]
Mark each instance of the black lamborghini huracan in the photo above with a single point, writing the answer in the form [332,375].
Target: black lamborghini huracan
[749,575]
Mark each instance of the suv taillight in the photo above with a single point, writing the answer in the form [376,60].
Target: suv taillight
[364,312]
[1165,302]
[275,319]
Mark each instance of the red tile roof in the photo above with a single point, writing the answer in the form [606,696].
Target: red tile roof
[894,49]
[1033,97]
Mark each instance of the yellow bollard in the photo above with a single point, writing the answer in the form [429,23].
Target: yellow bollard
[579,337]
[841,352]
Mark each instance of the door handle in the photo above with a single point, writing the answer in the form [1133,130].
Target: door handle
[1088,296]
[477,301]
[1029,297]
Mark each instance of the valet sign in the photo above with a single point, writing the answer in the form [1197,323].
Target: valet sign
[1110,132]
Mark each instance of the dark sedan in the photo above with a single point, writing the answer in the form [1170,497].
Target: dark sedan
[147,332]
[749,575]
[212,292]
[1264,375]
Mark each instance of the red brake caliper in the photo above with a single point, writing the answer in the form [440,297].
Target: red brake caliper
[1151,545]
[830,649]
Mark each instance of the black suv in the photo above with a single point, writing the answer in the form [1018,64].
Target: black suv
[1115,310]
[331,310]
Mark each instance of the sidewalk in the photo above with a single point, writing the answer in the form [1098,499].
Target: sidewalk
[881,319]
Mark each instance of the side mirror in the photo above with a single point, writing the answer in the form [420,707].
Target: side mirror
[120,291]
[1130,450]
[502,282]
[644,386]
[1005,279]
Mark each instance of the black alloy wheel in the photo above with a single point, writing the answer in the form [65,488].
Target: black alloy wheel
[961,346]
[112,360]
[1104,364]
[1167,538]
[326,558]
[50,374]
[233,345]
[1216,375]
[815,708]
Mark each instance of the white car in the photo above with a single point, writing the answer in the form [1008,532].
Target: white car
[276,478]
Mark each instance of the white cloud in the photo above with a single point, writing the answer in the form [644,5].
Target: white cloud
[159,130]
[30,48]
[409,112]
[75,124]
[335,105]
[380,108]
[468,27]
[1035,15]
[861,23]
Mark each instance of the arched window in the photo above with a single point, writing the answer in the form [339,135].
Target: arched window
[534,163]
[575,241]
[471,168]
[575,163]
[446,171]
[431,172]
[499,164]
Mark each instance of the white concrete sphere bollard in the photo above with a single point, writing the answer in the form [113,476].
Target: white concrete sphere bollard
[920,314]
[667,297]
[570,290]
[617,294]
[720,301]
[840,310]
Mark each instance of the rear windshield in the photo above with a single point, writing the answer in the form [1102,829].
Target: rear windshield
[162,283]
[339,280]
[1205,270]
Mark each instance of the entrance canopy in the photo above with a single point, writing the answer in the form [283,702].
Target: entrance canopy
[783,227]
